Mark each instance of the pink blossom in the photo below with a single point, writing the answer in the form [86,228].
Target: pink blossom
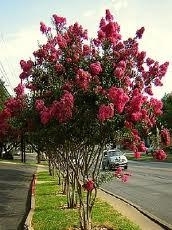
[119,72]
[45,116]
[101,35]
[86,50]
[141,147]
[118,172]
[112,32]
[149,61]
[61,41]
[118,98]
[165,136]
[62,110]
[109,16]
[26,66]
[39,105]
[124,178]
[122,64]
[23,75]
[96,68]
[137,155]
[43,28]
[59,21]
[89,185]
[158,82]
[102,23]
[105,112]
[19,90]
[159,154]
[156,105]
[148,90]
[59,67]
[140,32]
[83,79]
[136,116]
[5,114]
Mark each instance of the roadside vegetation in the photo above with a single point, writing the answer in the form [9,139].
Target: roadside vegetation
[51,212]
[149,158]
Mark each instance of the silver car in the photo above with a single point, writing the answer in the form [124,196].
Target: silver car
[113,159]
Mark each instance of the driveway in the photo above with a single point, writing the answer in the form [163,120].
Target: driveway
[149,187]
[14,185]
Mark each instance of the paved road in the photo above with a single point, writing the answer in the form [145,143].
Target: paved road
[149,187]
[14,184]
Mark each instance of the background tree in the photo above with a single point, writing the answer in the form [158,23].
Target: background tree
[166,118]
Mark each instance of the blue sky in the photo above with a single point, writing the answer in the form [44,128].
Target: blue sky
[19,28]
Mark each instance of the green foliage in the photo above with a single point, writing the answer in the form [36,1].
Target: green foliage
[4,94]
[166,118]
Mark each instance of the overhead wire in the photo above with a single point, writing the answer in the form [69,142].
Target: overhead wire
[11,70]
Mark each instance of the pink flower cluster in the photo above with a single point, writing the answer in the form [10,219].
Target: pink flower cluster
[26,67]
[19,90]
[83,79]
[137,155]
[157,106]
[120,174]
[43,28]
[118,97]
[96,68]
[89,185]
[109,30]
[159,154]
[15,105]
[165,136]
[119,70]
[105,112]
[60,110]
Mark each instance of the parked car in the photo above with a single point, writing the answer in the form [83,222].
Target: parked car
[7,155]
[113,159]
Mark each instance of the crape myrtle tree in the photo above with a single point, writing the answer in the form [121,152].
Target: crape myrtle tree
[93,92]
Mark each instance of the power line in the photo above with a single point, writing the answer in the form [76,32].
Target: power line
[5,76]
[10,66]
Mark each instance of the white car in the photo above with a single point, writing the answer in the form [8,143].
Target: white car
[113,159]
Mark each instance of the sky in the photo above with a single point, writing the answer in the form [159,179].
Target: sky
[19,29]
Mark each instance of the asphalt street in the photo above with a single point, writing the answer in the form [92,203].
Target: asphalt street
[149,187]
[14,185]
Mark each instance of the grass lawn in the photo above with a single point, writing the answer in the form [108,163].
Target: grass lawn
[50,214]
[149,158]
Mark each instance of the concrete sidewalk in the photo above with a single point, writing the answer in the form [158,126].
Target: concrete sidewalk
[128,211]
[122,207]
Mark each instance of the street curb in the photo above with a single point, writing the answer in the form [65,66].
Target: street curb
[28,222]
[153,218]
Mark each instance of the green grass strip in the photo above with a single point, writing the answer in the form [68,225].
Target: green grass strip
[50,213]
[149,158]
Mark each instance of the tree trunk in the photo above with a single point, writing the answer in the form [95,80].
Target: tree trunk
[38,157]
[71,190]
[50,166]
[86,203]
[86,213]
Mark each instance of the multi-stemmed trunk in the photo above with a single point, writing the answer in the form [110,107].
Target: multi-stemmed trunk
[86,203]
[71,190]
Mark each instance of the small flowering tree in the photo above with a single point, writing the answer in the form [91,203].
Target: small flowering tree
[93,92]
